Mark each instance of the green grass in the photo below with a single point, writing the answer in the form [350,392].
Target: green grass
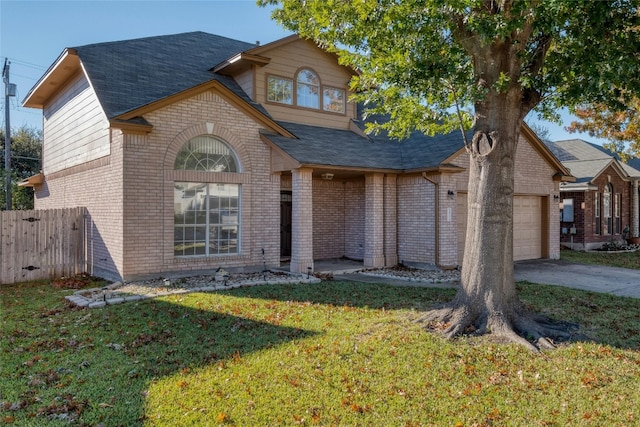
[334,353]
[623,259]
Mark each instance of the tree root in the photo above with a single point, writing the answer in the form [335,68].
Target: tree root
[530,330]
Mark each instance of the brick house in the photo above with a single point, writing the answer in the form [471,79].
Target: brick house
[602,202]
[194,151]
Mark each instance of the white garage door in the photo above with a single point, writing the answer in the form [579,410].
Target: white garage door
[527,226]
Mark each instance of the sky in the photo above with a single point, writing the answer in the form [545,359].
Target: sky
[34,33]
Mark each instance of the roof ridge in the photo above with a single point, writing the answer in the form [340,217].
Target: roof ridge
[162,36]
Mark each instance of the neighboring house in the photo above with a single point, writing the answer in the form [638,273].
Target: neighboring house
[194,151]
[603,202]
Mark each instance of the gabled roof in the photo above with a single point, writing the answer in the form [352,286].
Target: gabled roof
[127,75]
[338,148]
[132,77]
[587,161]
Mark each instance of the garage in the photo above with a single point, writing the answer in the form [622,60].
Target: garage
[527,226]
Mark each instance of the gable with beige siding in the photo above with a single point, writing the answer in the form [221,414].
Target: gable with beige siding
[76,128]
[286,60]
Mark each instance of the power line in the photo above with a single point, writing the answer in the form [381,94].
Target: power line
[28,64]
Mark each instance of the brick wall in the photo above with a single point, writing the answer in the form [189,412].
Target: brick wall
[328,219]
[129,194]
[533,176]
[354,219]
[416,219]
[98,186]
[586,220]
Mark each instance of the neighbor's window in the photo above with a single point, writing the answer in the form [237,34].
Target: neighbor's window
[596,213]
[333,99]
[606,208]
[280,89]
[616,213]
[308,89]
[206,214]
[567,210]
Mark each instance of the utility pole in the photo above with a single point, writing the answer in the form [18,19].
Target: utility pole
[9,90]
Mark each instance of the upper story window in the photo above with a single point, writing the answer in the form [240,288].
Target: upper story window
[280,89]
[208,154]
[333,99]
[308,90]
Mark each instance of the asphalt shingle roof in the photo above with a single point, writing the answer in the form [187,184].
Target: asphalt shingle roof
[337,147]
[132,73]
[585,159]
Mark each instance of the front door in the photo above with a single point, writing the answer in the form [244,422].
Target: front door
[286,210]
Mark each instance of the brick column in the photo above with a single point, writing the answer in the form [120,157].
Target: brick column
[390,221]
[635,211]
[302,221]
[446,226]
[374,220]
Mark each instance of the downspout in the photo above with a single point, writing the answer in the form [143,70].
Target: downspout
[437,216]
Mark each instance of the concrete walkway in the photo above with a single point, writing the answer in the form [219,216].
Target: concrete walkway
[596,278]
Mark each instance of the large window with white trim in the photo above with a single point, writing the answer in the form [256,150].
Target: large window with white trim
[206,214]
[307,91]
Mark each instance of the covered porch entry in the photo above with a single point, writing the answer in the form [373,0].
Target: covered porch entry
[331,215]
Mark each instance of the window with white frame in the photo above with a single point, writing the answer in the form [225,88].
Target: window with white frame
[333,99]
[206,214]
[606,209]
[616,213]
[280,89]
[308,90]
[596,213]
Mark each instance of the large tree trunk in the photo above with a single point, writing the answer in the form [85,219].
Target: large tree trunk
[487,300]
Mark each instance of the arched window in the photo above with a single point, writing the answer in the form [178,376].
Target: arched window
[606,209]
[208,154]
[308,89]
[206,214]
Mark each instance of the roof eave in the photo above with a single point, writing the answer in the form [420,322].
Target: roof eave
[239,62]
[32,181]
[222,90]
[131,126]
[579,187]
[60,71]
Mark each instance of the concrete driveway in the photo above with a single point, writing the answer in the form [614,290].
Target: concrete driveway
[617,281]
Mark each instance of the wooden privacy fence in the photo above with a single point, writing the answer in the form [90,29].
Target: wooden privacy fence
[41,244]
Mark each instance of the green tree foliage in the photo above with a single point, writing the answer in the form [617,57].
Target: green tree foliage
[26,149]
[438,65]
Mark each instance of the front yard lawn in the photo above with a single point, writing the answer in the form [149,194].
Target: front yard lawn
[335,353]
[618,259]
